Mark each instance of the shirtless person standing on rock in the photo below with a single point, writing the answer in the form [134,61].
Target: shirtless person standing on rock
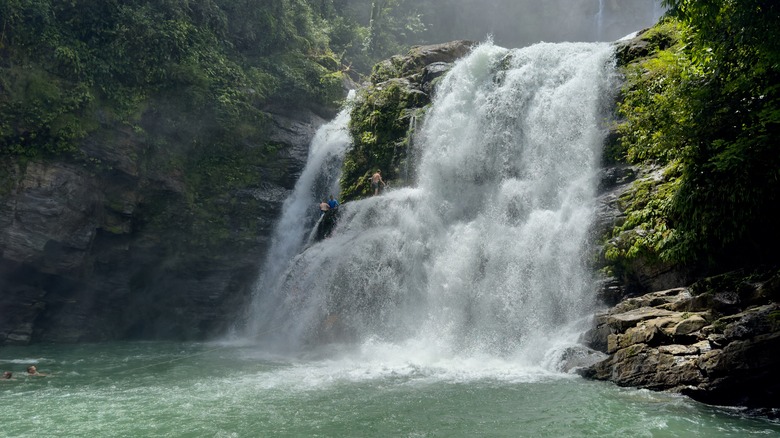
[376,179]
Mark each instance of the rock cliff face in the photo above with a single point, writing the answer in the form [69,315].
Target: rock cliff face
[717,341]
[638,276]
[109,247]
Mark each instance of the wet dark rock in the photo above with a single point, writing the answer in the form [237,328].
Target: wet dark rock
[632,49]
[92,252]
[327,223]
[434,71]
[676,340]
[611,290]
[573,359]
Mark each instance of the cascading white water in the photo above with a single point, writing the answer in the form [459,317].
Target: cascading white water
[300,211]
[485,257]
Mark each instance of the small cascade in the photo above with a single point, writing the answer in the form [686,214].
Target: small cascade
[600,22]
[300,213]
[310,239]
[485,256]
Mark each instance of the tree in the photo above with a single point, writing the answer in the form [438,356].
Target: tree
[722,100]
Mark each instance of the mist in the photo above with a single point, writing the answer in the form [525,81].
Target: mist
[518,23]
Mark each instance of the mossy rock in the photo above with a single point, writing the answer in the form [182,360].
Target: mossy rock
[648,42]
[379,127]
[381,117]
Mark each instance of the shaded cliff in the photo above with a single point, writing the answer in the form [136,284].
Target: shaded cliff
[127,249]
[145,151]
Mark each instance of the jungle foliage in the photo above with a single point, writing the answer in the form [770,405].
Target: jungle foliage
[188,83]
[705,109]
[64,62]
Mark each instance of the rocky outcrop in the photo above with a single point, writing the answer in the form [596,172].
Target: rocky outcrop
[421,62]
[643,44]
[386,111]
[116,246]
[716,341]
[638,275]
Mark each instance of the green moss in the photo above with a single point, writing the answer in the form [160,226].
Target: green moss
[386,70]
[664,35]
[379,127]
[41,114]
[706,100]
[114,229]
[719,325]
[650,99]
[646,229]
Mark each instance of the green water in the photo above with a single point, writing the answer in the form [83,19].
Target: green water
[220,390]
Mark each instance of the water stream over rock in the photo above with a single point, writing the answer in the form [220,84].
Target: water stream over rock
[485,255]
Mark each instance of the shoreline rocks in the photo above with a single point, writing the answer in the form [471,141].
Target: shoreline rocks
[717,341]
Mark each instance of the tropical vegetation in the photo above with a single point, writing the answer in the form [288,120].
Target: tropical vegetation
[194,80]
[704,111]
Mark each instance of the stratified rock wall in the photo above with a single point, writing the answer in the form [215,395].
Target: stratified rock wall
[108,251]
[717,341]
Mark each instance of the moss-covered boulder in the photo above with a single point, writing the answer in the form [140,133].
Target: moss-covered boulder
[387,110]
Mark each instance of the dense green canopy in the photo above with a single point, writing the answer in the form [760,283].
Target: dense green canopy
[217,61]
[707,108]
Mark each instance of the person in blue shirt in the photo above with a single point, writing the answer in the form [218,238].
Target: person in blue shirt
[332,202]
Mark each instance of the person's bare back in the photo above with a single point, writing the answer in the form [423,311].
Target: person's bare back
[376,179]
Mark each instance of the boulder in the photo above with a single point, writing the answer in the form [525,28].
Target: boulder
[670,340]
[439,56]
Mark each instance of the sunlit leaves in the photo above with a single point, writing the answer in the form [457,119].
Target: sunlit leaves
[710,103]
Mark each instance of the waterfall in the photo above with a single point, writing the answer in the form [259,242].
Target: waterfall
[485,256]
[600,21]
[300,212]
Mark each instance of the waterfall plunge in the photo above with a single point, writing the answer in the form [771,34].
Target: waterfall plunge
[485,257]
